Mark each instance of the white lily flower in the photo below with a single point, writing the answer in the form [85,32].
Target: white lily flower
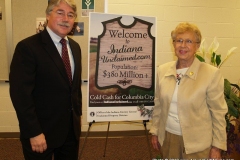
[229,53]
[216,59]
[203,48]
[214,46]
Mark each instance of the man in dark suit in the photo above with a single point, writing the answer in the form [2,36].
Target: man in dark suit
[45,88]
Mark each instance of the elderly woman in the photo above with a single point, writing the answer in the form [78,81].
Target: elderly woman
[189,112]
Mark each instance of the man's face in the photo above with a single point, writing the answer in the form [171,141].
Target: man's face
[61,19]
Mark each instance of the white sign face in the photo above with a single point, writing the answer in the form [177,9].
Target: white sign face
[121,67]
[125,55]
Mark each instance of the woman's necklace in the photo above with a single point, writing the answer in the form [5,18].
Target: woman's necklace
[179,77]
[180,73]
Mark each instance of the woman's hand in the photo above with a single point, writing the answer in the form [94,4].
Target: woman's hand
[155,143]
[215,153]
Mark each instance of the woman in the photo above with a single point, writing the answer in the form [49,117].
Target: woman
[189,112]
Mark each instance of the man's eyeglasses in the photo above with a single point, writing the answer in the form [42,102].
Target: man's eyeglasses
[187,41]
[62,14]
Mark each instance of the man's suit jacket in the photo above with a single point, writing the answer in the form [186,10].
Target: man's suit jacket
[201,105]
[40,90]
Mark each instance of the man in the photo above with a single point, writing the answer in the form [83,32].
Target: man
[45,87]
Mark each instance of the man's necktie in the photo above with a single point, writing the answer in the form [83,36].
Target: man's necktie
[66,60]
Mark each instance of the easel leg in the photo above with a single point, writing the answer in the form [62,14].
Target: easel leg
[146,133]
[85,139]
[106,140]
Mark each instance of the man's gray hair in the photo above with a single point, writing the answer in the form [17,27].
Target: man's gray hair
[53,3]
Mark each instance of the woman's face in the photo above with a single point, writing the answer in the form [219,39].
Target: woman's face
[186,45]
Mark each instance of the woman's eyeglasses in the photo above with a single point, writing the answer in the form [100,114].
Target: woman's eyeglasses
[187,41]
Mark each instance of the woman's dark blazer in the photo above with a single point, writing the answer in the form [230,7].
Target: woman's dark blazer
[40,91]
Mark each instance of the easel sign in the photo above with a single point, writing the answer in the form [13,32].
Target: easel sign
[121,67]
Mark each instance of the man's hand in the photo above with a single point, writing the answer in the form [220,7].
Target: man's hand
[155,143]
[215,153]
[38,143]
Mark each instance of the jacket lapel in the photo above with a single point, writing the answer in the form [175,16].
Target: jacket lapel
[76,58]
[193,69]
[53,53]
[172,70]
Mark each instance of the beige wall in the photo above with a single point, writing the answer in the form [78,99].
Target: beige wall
[218,18]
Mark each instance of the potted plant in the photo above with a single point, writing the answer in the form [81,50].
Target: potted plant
[232,96]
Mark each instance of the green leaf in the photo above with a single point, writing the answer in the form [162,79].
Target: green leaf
[227,88]
[229,94]
[231,109]
[218,59]
[235,99]
[213,58]
[227,122]
[232,100]
[200,58]
[158,157]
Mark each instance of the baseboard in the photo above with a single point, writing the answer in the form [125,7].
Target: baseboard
[115,133]
[9,134]
[90,134]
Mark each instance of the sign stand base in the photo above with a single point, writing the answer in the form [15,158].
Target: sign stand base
[146,134]
[90,124]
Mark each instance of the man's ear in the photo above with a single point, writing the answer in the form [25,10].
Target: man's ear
[47,17]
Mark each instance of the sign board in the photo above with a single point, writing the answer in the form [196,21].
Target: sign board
[121,67]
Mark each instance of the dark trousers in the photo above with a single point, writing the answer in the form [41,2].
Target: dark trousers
[68,151]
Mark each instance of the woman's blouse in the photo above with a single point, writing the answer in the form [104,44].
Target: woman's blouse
[173,125]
